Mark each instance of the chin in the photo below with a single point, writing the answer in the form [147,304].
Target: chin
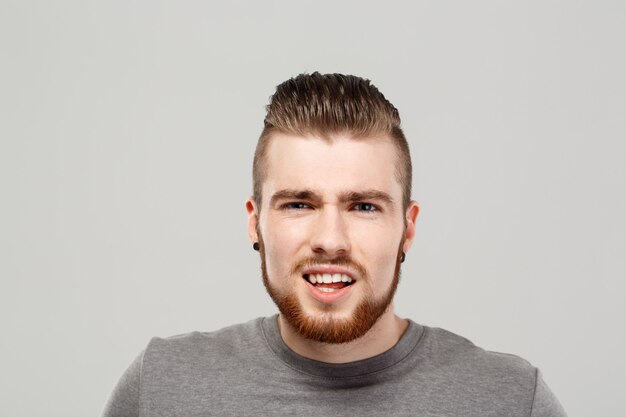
[330,326]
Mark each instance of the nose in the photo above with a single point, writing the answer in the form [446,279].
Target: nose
[329,236]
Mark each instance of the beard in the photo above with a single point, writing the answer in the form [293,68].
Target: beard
[331,329]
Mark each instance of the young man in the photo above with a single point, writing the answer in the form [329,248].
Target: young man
[332,219]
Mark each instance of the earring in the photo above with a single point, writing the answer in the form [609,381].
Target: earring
[403,257]
[255,246]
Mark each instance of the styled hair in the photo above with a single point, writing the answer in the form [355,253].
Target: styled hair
[327,105]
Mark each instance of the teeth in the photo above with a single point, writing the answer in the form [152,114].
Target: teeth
[328,278]
[326,289]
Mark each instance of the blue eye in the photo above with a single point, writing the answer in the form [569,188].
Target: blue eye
[365,207]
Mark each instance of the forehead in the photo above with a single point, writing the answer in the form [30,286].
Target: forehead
[331,166]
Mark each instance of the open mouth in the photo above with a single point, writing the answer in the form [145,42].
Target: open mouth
[328,282]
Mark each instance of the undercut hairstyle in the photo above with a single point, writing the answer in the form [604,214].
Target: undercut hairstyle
[328,105]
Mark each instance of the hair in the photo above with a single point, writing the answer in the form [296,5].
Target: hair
[327,105]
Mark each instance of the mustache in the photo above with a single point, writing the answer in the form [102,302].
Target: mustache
[343,261]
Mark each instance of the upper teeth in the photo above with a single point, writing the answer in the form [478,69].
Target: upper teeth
[328,278]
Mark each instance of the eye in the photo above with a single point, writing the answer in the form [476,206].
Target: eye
[295,205]
[366,207]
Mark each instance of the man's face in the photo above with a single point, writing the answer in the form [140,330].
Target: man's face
[331,211]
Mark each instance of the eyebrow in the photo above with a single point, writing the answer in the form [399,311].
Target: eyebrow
[366,195]
[345,197]
[294,195]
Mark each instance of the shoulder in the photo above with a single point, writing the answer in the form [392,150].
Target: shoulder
[454,355]
[480,382]
[450,347]
[201,345]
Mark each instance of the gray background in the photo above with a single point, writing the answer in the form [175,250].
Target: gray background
[127,131]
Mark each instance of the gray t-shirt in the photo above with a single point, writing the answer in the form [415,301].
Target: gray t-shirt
[247,369]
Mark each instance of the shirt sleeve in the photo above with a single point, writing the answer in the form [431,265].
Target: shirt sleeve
[545,404]
[124,400]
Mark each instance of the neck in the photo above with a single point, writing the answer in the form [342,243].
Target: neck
[381,337]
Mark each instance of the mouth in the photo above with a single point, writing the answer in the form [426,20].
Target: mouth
[328,282]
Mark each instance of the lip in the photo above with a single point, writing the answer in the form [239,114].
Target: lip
[329,297]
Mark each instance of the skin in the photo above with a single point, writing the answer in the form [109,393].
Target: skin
[329,200]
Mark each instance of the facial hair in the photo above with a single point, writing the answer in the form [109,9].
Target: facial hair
[330,329]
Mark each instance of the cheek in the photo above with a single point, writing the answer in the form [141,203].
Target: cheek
[281,246]
[379,250]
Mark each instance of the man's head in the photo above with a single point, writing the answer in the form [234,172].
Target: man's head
[332,176]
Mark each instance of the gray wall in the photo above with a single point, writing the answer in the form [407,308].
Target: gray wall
[126,137]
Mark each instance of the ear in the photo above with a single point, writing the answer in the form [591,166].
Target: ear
[411,217]
[253,219]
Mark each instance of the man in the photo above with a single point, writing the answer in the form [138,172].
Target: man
[332,219]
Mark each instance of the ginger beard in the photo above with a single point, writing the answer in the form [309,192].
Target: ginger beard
[322,328]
